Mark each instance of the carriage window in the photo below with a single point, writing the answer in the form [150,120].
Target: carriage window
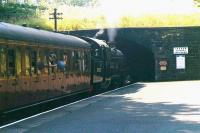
[87,61]
[70,61]
[96,52]
[33,62]
[2,62]
[52,59]
[63,64]
[99,52]
[73,54]
[75,61]
[42,62]
[78,62]
[27,63]
[11,62]
[65,58]
[18,62]
[82,62]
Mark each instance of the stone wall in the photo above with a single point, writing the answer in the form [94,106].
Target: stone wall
[158,41]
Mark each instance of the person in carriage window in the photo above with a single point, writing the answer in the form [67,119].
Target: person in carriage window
[62,63]
[65,60]
[52,62]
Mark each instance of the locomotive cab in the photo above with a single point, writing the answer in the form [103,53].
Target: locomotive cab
[117,68]
[100,63]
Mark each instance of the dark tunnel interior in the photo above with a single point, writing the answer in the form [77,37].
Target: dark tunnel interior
[140,60]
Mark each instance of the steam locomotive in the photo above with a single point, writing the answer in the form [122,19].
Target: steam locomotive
[38,65]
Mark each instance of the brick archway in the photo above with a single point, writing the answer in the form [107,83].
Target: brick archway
[140,60]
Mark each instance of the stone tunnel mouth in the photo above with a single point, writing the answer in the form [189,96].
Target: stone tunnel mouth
[140,61]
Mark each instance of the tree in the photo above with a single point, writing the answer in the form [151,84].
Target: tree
[81,2]
[197,2]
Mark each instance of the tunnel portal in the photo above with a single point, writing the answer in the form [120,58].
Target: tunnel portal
[150,52]
[140,60]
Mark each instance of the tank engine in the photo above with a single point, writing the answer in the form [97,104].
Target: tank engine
[38,65]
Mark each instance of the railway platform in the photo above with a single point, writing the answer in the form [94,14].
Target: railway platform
[160,107]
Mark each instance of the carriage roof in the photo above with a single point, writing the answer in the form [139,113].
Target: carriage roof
[20,33]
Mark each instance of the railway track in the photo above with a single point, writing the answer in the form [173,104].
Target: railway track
[27,111]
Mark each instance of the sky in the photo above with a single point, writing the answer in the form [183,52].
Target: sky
[148,6]
[114,9]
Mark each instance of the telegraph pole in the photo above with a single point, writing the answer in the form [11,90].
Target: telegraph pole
[55,17]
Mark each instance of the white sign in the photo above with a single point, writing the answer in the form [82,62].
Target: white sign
[163,68]
[180,50]
[180,61]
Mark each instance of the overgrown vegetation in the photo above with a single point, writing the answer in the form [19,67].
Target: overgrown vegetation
[15,12]
[82,14]
[81,2]
[22,14]
[160,21]
[197,2]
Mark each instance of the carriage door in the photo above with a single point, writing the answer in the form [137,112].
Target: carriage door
[25,73]
[11,73]
[18,69]
[3,79]
[43,69]
[60,62]
[52,63]
[35,77]
[62,70]
[68,71]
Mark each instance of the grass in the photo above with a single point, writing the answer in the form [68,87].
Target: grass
[130,21]
[160,21]
[77,18]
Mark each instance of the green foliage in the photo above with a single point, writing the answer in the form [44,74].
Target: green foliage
[81,2]
[76,17]
[23,14]
[35,22]
[197,2]
[160,21]
[17,8]
[78,23]
[13,12]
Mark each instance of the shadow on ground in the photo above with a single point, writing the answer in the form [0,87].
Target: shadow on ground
[119,113]
[116,113]
[160,117]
